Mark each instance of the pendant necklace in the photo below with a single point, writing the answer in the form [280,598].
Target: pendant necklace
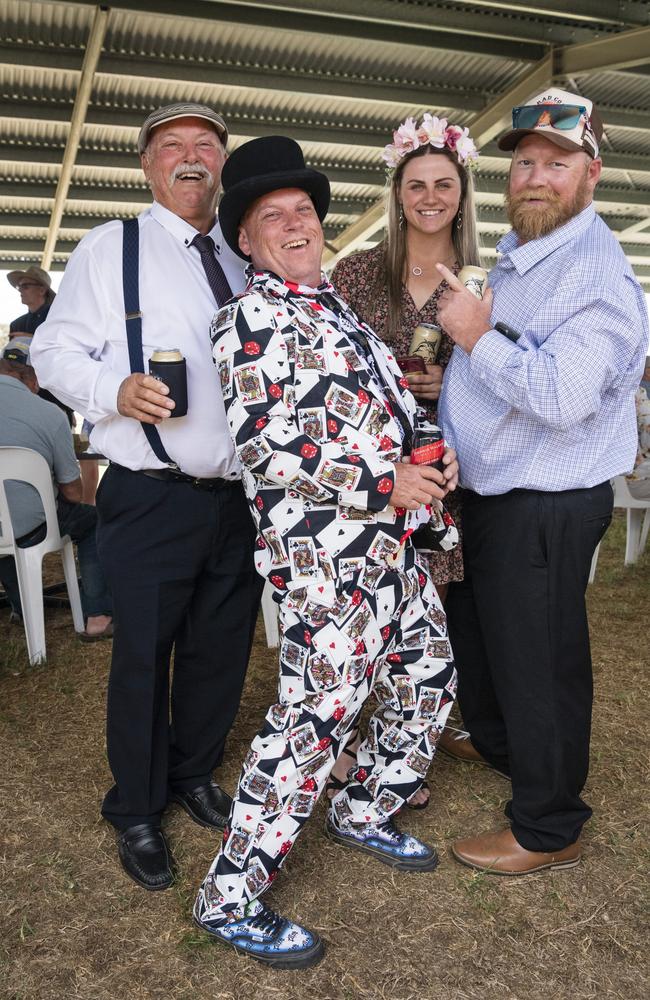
[417,271]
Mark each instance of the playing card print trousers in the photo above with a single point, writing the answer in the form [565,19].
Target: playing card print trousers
[382,631]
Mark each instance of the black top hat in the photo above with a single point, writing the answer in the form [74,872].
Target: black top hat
[270,163]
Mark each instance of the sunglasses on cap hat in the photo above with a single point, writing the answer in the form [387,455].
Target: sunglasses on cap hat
[563,117]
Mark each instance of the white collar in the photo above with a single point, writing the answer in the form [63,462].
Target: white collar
[182,230]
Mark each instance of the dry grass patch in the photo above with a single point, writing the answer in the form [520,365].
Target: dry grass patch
[73,926]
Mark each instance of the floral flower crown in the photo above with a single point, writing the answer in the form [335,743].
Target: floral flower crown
[432,132]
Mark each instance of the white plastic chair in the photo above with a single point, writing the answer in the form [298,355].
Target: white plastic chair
[638,523]
[270,612]
[27,466]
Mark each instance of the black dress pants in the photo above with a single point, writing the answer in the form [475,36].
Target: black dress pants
[518,627]
[180,564]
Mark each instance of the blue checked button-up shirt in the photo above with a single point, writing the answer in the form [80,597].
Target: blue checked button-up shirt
[555,411]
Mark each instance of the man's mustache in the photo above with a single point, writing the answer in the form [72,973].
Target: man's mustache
[190,168]
[533,193]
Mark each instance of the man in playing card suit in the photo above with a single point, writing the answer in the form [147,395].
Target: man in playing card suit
[375,629]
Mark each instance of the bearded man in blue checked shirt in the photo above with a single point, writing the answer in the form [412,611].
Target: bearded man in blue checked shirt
[542,418]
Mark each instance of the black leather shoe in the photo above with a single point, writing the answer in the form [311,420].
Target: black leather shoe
[208,805]
[145,856]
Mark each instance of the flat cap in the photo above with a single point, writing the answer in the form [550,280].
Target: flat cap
[182,110]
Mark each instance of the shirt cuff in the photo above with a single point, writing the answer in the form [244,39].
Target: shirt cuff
[490,355]
[106,389]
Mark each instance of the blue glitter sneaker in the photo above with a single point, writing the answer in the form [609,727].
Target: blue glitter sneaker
[385,843]
[264,935]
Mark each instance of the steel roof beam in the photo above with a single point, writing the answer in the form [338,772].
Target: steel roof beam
[627,49]
[87,195]
[249,76]
[11,152]
[337,132]
[82,98]
[10,218]
[240,123]
[446,29]
[637,227]
[28,245]
[13,188]
[603,12]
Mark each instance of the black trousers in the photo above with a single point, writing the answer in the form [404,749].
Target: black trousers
[518,627]
[180,564]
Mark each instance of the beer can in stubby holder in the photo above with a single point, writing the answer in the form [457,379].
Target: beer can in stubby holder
[168,366]
[428,447]
[425,342]
[474,279]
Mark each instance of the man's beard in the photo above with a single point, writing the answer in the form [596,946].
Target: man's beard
[532,221]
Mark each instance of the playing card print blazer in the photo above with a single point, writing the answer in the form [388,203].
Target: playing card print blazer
[316,433]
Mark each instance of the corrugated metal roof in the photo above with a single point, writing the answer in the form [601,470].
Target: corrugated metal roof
[337,76]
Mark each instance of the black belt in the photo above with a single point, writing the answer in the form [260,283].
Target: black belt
[176,476]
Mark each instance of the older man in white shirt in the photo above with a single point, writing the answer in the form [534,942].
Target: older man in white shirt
[174,533]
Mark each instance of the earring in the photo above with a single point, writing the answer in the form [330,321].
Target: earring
[459,219]
[401,216]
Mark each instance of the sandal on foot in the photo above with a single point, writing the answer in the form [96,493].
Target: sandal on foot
[420,805]
[334,785]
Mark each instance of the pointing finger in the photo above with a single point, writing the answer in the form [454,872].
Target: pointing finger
[450,278]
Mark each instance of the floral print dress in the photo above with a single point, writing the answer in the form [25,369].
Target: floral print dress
[355,279]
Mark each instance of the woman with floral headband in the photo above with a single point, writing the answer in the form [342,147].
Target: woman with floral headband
[395,287]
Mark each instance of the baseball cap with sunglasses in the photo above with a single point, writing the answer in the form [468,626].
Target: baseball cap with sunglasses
[568,120]
[562,116]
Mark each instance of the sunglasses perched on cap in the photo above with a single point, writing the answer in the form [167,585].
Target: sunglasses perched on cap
[561,116]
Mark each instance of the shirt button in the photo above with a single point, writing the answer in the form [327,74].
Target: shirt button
[384,417]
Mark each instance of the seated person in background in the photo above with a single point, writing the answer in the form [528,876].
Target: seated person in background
[29,422]
[638,481]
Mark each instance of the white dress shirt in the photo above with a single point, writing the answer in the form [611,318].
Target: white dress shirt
[81,351]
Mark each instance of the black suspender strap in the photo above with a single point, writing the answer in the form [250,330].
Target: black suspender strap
[133,318]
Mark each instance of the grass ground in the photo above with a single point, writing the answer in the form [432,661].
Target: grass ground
[73,926]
